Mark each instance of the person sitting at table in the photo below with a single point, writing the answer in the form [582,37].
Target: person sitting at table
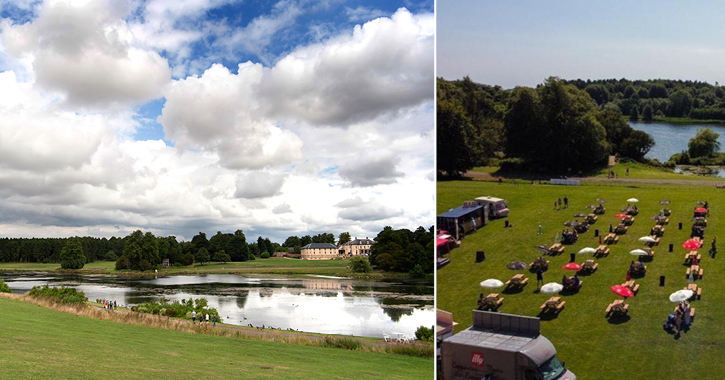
[565,281]
[481,302]
[632,267]
[575,281]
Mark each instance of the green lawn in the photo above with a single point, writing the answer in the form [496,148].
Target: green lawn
[591,346]
[275,264]
[640,171]
[43,343]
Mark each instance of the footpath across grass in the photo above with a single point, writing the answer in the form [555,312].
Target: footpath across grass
[592,346]
[43,343]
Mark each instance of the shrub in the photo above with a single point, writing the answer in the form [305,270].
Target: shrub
[145,265]
[187,259]
[251,257]
[264,255]
[425,334]
[110,256]
[360,265]
[121,263]
[176,265]
[342,342]
[412,350]
[62,294]
[417,272]
[4,288]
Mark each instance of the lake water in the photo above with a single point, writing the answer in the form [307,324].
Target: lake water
[320,304]
[673,138]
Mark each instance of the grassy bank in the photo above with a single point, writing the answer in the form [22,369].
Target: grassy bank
[685,120]
[593,347]
[44,343]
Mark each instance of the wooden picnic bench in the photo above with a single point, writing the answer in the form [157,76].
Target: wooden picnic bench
[602,251]
[518,281]
[632,285]
[658,230]
[556,249]
[615,308]
[692,255]
[695,270]
[590,266]
[628,221]
[621,229]
[553,304]
[591,218]
[655,242]
[692,312]
[611,238]
[663,222]
[696,291]
[536,264]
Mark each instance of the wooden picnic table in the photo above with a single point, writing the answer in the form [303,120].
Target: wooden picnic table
[620,229]
[695,270]
[611,238]
[590,265]
[556,248]
[696,290]
[663,222]
[553,304]
[632,285]
[692,255]
[615,308]
[517,280]
[601,251]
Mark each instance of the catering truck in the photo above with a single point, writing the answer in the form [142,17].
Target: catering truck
[497,207]
[501,347]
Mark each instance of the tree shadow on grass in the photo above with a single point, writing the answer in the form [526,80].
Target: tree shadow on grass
[549,316]
[618,320]
[513,290]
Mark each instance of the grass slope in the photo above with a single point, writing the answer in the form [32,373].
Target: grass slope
[43,343]
[593,347]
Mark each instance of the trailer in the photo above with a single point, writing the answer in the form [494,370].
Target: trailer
[501,347]
[497,207]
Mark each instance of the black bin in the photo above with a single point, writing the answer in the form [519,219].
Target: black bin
[672,247]
[680,225]
[572,257]
[480,256]
[596,232]
[662,280]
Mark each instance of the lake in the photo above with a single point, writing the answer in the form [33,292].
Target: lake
[320,304]
[673,138]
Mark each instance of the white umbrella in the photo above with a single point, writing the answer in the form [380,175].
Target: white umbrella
[647,239]
[638,252]
[632,200]
[587,250]
[552,287]
[681,295]
[492,283]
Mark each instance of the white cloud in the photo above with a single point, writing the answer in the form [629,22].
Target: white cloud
[369,211]
[376,168]
[385,65]
[84,51]
[259,185]
[282,208]
[362,13]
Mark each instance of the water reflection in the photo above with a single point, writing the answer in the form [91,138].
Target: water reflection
[313,303]
[673,138]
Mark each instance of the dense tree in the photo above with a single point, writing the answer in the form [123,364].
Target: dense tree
[599,93]
[704,143]
[261,246]
[291,241]
[522,123]
[221,256]
[324,238]
[360,264]
[634,114]
[72,256]
[200,241]
[237,248]
[269,247]
[636,145]
[456,138]
[680,103]
[305,240]
[401,250]
[614,125]
[657,90]
[647,113]
[202,255]
[343,238]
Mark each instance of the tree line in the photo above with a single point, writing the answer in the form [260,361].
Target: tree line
[556,127]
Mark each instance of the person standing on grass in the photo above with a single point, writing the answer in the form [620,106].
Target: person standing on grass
[193,316]
[559,202]
[554,205]
[115,305]
[566,202]
[207,318]
[539,277]
[214,318]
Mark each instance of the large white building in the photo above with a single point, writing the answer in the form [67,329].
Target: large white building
[356,247]
[319,251]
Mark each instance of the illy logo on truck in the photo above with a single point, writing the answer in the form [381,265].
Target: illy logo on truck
[477,359]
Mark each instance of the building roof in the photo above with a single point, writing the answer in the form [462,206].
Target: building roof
[319,246]
[365,241]
[459,212]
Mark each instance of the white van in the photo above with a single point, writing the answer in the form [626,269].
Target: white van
[497,207]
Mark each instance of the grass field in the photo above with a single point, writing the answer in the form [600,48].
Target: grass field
[43,343]
[592,346]
[275,265]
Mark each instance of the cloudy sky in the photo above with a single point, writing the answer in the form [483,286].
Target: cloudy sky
[279,118]
[512,43]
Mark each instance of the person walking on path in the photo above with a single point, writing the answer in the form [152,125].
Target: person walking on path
[214,318]
[566,202]
[193,316]
[627,171]
[540,230]
[539,278]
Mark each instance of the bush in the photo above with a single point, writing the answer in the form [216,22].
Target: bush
[145,265]
[110,256]
[342,342]
[62,294]
[176,265]
[264,255]
[121,263]
[187,259]
[425,334]
[4,288]
[360,265]
[251,257]
[417,272]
